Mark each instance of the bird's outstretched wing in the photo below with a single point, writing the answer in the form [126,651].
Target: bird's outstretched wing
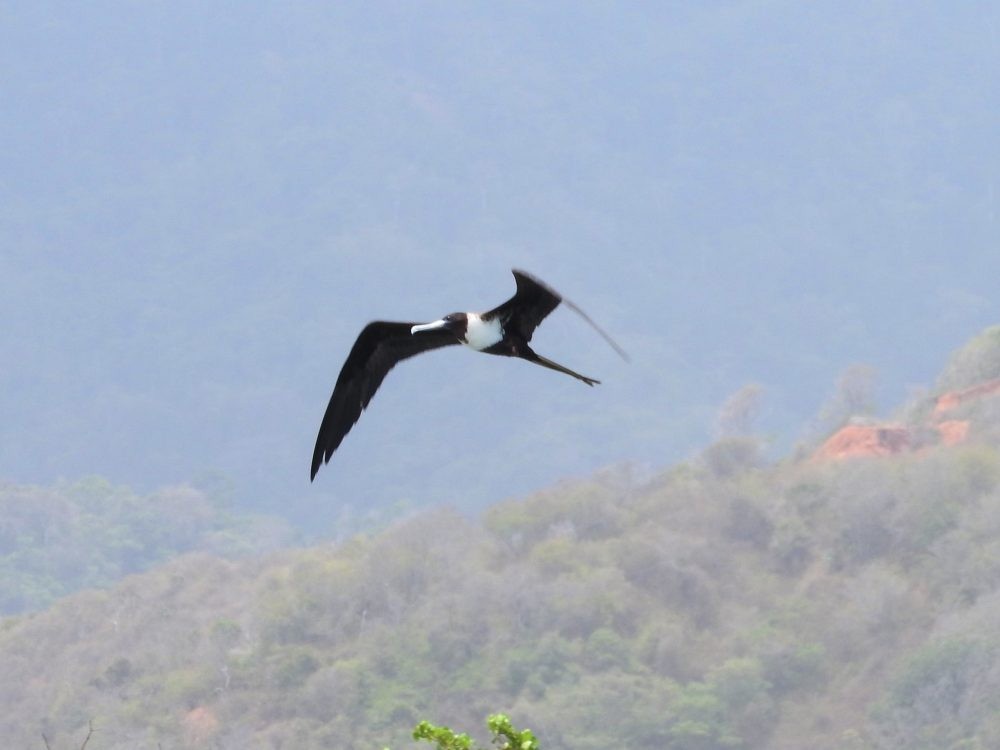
[532,302]
[379,347]
[529,306]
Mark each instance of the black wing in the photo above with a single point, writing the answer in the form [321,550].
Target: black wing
[378,348]
[532,302]
[529,306]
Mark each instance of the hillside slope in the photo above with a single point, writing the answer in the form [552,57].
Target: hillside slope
[59,539]
[836,604]
[849,604]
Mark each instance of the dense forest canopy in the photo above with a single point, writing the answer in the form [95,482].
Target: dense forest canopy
[728,602]
[87,534]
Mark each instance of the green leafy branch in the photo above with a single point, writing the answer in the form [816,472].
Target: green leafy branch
[505,736]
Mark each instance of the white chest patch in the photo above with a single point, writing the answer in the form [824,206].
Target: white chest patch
[481,334]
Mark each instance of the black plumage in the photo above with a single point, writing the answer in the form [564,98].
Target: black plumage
[379,347]
[505,330]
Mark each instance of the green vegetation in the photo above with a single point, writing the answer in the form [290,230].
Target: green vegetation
[723,604]
[794,605]
[976,361]
[505,736]
[91,533]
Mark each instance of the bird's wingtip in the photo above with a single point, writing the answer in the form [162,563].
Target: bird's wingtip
[316,463]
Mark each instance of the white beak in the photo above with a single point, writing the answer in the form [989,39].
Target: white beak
[429,326]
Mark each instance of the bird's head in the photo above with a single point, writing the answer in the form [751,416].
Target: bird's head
[456,323]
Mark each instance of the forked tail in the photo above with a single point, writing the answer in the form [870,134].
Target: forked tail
[538,359]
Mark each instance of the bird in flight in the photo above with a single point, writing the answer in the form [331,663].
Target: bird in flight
[504,330]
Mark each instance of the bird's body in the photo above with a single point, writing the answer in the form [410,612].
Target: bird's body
[481,334]
[505,330]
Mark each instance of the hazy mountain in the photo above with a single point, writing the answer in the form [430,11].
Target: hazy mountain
[201,205]
[59,539]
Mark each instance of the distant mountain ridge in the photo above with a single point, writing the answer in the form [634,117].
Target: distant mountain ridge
[201,207]
[91,533]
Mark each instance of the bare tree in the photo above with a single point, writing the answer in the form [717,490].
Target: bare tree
[853,396]
[90,733]
[739,412]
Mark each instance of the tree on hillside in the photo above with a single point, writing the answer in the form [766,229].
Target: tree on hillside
[854,395]
[738,414]
[737,448]
[975,362]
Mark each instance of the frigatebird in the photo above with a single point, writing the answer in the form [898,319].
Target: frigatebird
[505,330]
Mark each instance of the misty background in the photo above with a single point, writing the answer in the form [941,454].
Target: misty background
[202,204]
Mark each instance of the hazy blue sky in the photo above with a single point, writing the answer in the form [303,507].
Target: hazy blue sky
[201,204]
